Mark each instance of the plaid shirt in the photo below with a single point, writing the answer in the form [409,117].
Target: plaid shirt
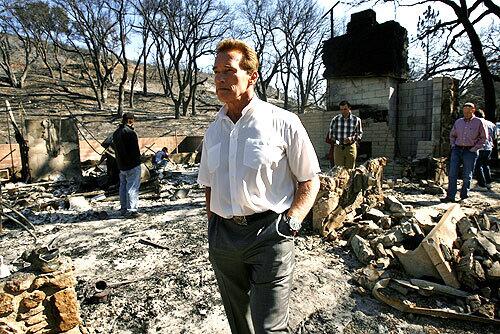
[341,129]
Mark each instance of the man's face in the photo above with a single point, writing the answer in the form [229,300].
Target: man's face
[231,81]
[469,111]
[345,110]
[130,122]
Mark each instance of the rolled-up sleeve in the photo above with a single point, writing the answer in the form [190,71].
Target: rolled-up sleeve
[302,157]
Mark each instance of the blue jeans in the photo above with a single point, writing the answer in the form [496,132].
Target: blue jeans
[162,163]
[130,181]
[468,159]
[483,173]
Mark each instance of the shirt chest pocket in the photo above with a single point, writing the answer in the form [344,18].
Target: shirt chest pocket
[258,153]
[213,157]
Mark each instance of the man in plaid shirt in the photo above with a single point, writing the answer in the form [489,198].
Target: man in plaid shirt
[344,135]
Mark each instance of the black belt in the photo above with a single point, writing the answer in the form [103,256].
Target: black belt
[246,220]
[464,147]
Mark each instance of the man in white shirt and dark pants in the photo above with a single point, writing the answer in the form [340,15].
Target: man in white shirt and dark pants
[260,172]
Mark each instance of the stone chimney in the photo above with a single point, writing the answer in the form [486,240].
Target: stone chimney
[367,49]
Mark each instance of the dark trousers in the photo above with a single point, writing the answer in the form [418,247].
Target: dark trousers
[483,173]
[253,265]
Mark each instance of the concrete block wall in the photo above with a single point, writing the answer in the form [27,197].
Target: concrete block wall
[378,133]
[421,108]
[374,91]
[381,136]
[377,92]
[316,125]
[415,115]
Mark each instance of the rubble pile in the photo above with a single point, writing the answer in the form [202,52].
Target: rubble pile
[451,256]
[459,258]
[41,298]
[344,192]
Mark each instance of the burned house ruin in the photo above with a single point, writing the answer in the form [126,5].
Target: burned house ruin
[368,67]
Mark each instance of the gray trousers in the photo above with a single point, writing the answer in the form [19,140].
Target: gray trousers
[253,265]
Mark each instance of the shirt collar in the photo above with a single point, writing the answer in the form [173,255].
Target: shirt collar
[222,114]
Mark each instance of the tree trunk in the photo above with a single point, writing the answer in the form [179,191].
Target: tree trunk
[145,75]
[177,109]
[486,76]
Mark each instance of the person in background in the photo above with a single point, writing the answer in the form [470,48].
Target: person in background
[259,170]
[344,135]
[160,158]
[128,158]
[467,137]
[483,172]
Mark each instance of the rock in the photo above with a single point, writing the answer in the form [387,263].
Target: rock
[469,246]
[6,306]
[488,246]
[418,231]
[493,237]
[323,207]
[493,273]
[474,302]
[362,249]
[40,317]
[385,222]
[424,220]
[433,189]
[393,204]
[19,282]
[7,327]
[380,250]
[79,203]
[56,280]
[391,239]
[466,229]
[374,214]
[383,262]
[65,306]
[75,330]
[406,229]
[486,292]
[367,228]
[487,310]
[469,272]
[37,328]
[31,313]
[33,299]
[484,222]
[487,263]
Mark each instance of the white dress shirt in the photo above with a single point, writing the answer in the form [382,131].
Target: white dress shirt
[254,165]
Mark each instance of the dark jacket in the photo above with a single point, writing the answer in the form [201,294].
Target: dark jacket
[126,146]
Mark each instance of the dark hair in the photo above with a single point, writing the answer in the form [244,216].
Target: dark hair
[127,116]
[480,113]
[165,149]
[345,103]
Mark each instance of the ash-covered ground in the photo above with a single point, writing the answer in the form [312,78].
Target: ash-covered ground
[161,281]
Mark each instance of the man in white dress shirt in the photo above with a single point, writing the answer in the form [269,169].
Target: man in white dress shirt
[260,172]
